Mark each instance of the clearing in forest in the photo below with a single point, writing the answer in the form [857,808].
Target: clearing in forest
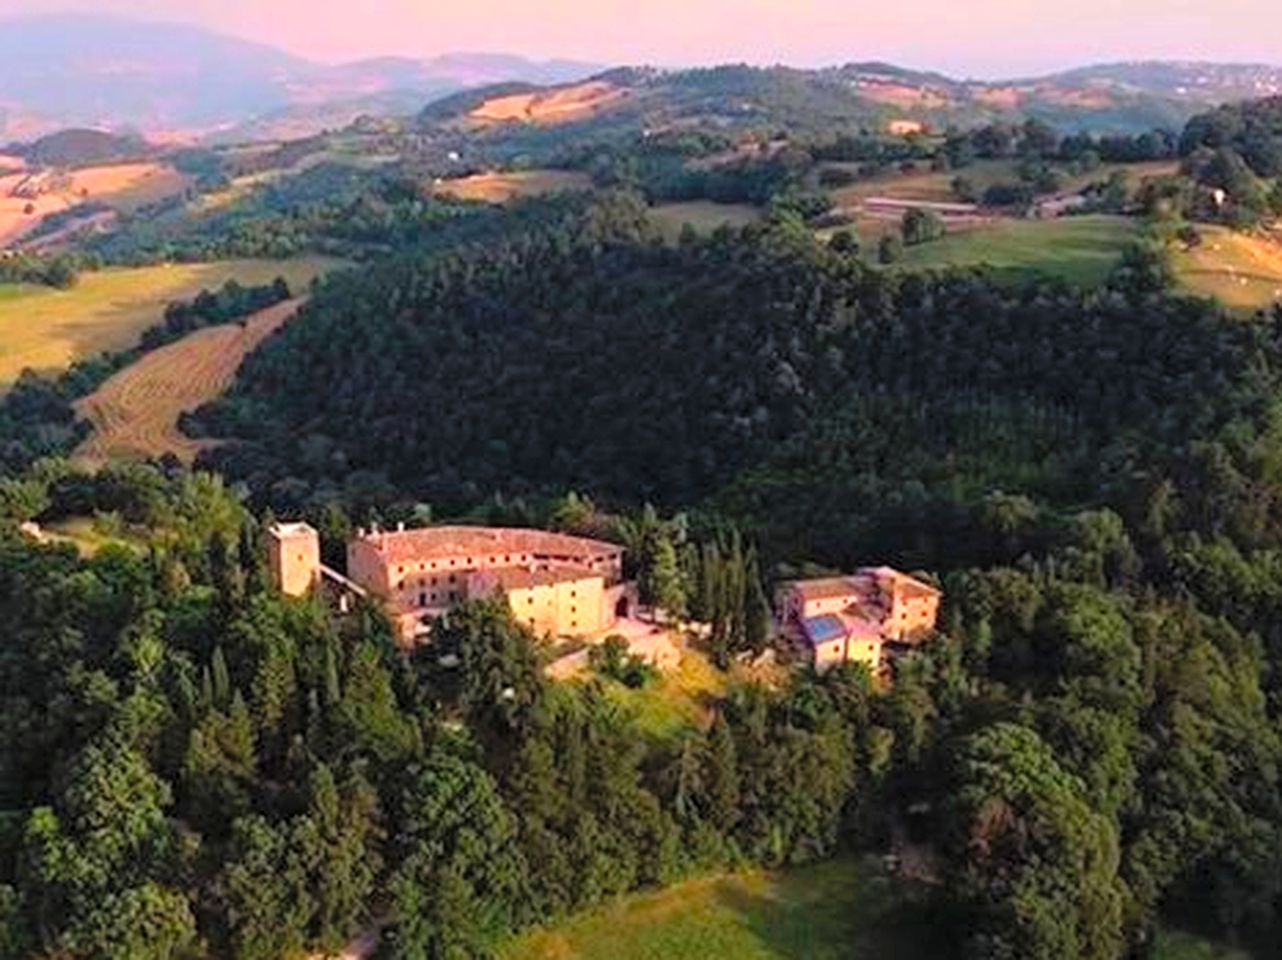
[48,330]
[135,413]
[935,186]
[502,187]
[1241,270]
[703,215]
[560,105]
[847,909]
[1081,250]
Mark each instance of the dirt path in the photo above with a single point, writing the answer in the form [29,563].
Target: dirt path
[135,413]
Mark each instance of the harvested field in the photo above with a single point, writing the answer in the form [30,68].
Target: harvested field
[560,105]
[124,187]
[502,187]
[135,413]
[48,330]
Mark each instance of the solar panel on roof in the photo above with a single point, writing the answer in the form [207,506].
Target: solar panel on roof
[825,628]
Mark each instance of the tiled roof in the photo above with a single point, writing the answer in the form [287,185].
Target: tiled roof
[910,586]
[522,578]
[828,587]
[462,541]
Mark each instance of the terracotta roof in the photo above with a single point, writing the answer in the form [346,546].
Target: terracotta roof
[522,578]
[460,541]
[828,587]
[907,585]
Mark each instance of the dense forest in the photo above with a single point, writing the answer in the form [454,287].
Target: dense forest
[192,765]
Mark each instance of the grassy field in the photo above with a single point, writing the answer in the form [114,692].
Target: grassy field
[1175,945]
[48,329]
[1081,250]
[843,909]
[676,701]
[136,412]
[936,186]
[704,215]
[1242,271]
[502,187]
[91,534]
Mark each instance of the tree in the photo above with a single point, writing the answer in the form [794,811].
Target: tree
[266,902]
[921,226]
[721,778]
[459,880]
[662,585]
[890,249]
[1033,867]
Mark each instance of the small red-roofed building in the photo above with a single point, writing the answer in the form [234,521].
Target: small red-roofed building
[852,618]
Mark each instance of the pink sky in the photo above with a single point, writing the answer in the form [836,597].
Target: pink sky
[977,37]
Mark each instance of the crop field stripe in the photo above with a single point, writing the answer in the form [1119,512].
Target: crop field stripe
[136,412]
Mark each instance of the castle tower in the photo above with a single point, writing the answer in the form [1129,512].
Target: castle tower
[293,555]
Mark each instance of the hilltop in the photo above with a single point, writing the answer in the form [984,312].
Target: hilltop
[1105,98]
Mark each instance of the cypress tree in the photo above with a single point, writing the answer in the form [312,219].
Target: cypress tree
[221,679]
[722,776]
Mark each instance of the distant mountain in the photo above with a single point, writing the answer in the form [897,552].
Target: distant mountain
[1107,98]
[1201,82]
[88,70]
[69,148]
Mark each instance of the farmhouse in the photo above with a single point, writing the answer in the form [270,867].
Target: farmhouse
[852,618]
[555,583]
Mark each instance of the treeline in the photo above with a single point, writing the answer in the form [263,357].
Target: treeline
[1230,170]
[60,271]
[37,415]
[212,307]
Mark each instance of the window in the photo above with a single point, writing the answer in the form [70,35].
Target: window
[452,578]
[531,599]
[422,600]
[400,569]
[433,597]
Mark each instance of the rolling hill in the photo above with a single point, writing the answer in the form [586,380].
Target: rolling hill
[1107,98]
[79,69]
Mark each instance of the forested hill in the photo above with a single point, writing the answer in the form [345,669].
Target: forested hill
[585,354]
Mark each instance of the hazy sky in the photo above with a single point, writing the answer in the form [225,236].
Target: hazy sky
[978,37]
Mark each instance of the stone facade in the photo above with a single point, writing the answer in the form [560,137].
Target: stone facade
[293,557]
[556,584]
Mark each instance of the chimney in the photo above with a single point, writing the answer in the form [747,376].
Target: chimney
[400,527]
